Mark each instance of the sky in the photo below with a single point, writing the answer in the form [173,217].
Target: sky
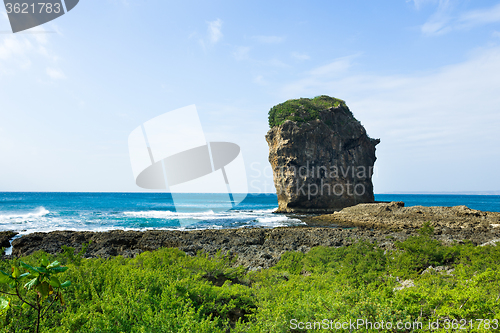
[421,75]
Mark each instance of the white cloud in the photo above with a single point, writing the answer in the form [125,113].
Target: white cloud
[444,20]
[480,16]
[336,67]
[214,31]
[55,74]
[15,53]
[438,22]
[11,47]
[419,3]
[317,79]
[274,63]
[241,53]
[214,34]
[269,39]
[259,79]
[300,56]
[19,51]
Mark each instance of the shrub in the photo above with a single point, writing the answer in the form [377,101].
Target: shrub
[419,252]
[38,295]
[303,109]
[168,291]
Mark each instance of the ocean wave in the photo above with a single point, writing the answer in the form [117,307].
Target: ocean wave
[42,220]
[24,216]
[206,215]
[278,220]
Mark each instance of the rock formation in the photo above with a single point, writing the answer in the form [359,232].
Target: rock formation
[321,156]
[5,237]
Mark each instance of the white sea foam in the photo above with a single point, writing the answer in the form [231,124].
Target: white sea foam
[206,215]
[23,216]
[43,220]
[266,211]
[278,221]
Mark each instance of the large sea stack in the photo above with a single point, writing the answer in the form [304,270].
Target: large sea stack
[321,156]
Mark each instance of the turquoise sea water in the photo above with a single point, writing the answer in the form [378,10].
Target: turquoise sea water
[31,212]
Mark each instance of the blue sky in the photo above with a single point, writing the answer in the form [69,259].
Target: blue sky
[422,75]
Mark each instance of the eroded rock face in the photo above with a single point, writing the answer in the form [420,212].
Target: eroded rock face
[322,165]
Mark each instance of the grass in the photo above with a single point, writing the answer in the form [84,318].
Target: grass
[168,291]
[303,109]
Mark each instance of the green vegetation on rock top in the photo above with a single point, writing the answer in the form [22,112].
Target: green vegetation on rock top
[303,109]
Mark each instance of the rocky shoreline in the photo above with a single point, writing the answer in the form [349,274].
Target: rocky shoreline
[255,248]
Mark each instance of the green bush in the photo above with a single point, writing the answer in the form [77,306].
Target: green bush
[419,252]
[291,262]
[303,109]
[168,291]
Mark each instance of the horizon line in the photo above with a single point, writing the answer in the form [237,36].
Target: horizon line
[273,193]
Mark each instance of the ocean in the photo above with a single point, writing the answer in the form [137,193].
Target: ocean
[28,212]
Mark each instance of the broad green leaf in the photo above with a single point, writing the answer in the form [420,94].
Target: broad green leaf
[16,272]
[54,264]
[42,270]
[65,284]
[24,275]
[54,282]
[44,262]
[4,277]
[58,269]
[29,267]
[43,289]
[4,303]
[32,283]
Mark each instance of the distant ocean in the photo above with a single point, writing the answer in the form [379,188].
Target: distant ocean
[32,212]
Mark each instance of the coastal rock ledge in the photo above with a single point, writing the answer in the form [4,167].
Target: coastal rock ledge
[255,248]
[321,156]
